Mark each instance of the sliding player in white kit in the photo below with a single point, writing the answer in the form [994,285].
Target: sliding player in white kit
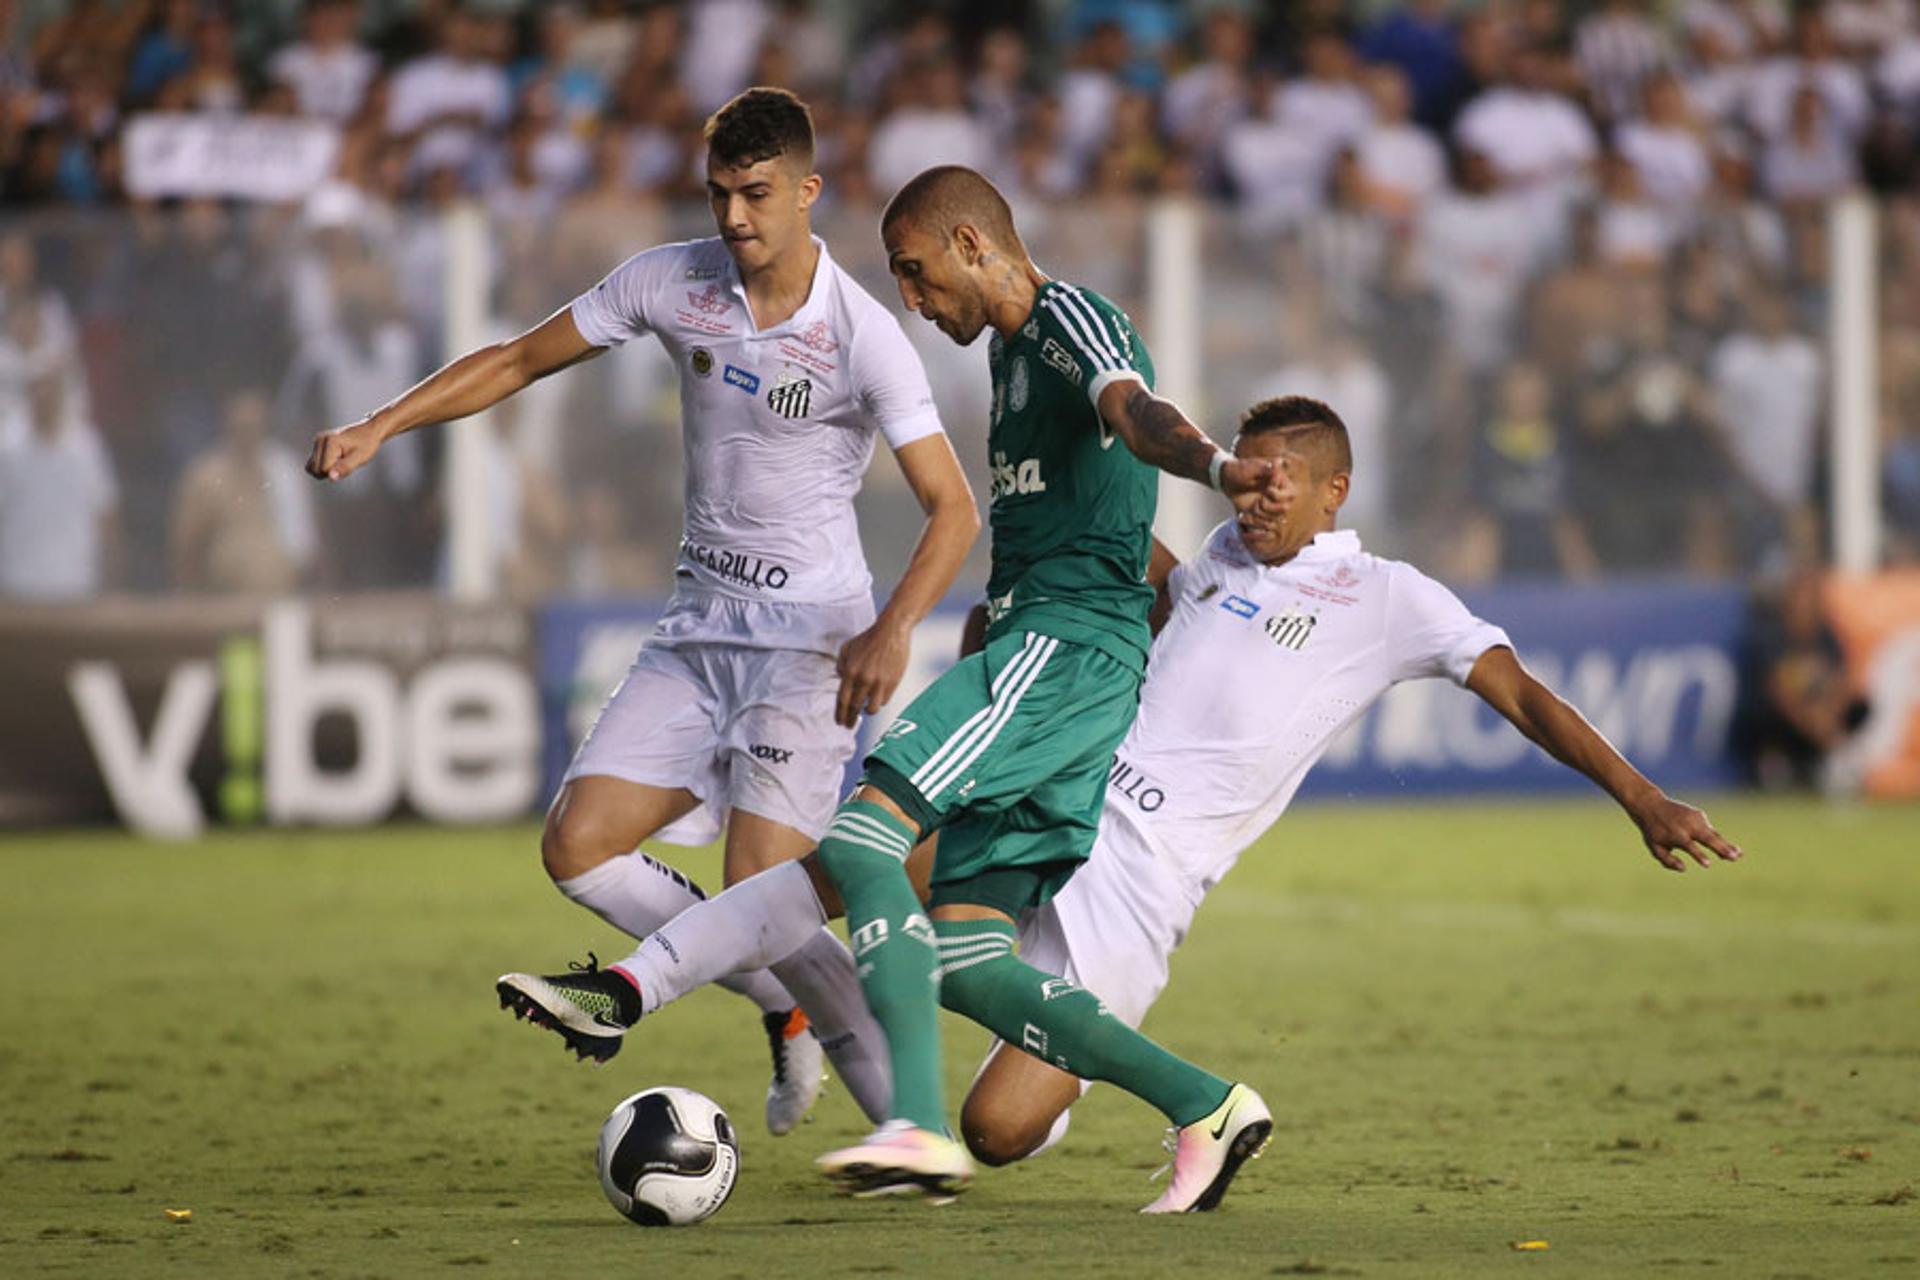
[1284,603]
[1281,602]
[742,703]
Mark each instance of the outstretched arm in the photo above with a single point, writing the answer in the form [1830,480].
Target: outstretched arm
[1157,432]
[1669,827]
[476,381]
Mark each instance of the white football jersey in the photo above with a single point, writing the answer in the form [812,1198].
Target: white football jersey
[779,423]
[1256,672]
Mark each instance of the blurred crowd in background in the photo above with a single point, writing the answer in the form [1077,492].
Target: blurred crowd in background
[1563,267]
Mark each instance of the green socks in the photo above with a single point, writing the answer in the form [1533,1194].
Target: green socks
[1061,1024]
[864,853]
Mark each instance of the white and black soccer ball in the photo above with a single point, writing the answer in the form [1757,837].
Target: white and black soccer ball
[668,1157]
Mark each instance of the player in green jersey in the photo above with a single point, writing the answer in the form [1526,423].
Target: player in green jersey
[1006,756]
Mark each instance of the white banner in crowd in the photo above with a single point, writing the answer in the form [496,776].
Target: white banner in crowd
[248,157]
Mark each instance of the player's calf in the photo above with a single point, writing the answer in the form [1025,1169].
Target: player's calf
[1014,1107]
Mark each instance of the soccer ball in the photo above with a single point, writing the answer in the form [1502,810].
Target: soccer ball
[668,1157]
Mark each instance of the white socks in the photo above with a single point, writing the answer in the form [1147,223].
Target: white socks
[822,977]
[637,895]
[773,919]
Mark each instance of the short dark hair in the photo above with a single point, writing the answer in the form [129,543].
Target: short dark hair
[947,195]
[760,124]
[1312,427]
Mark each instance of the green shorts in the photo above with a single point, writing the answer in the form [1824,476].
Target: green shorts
[1007,755]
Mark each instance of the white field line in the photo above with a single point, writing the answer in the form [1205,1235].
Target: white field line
[1574,920]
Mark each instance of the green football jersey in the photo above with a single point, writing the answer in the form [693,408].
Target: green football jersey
[1072,508]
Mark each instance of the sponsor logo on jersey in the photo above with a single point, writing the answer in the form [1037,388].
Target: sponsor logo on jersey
[1054,988]
[866,937]
[1135,787]
[1034,1041]
[900,728]
[818,336]
[998,607]
[701,362]
[1017,385]
[791,397]
[1021,477]
[1240,606]
[1209,591]
[709,300]
[1030,330]
[1290,629]
[736,566]
[747,382]
[703,273]
[1056,355]
[772,755]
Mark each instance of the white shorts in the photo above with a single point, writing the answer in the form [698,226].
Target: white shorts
[739,727]
[1112,929]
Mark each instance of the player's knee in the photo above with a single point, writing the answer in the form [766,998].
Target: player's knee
[998,1133]
[575,842]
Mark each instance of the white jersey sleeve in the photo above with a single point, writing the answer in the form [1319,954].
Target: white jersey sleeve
[619,307]
[890,383]
[1431,632]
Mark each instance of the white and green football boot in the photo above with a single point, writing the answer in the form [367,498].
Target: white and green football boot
[1208,1152]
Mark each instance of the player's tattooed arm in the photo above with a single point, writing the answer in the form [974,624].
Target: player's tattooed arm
[1157,432]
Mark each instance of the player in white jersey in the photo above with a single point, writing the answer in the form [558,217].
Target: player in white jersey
[1284,602]
[1279,600]
[743,702]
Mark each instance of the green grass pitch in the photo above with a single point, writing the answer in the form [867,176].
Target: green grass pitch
[1477,1025]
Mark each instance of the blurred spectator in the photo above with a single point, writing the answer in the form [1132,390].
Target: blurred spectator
[212,82]
[1618,51]
[1089,93]
[1644,428]
[243,520]
[1331,366]
[1538,142]
[59,502]
[931,127]
[1767,383]
[999,92]
[327,69]
[445,105]
[1419,39]
[1523,525]
[38,338]
[1802,706]
[164,51]
[1897,75]
[1633,231]
[1743,28]
[1324,102]
[1277,174]
[1216,93]
[1345,247]
[1812,161]
[1478,245]
[1401,165]
[1668,149]
[1811,63]
[722,43]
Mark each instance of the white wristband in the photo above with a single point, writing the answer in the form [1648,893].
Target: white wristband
[1220,457]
